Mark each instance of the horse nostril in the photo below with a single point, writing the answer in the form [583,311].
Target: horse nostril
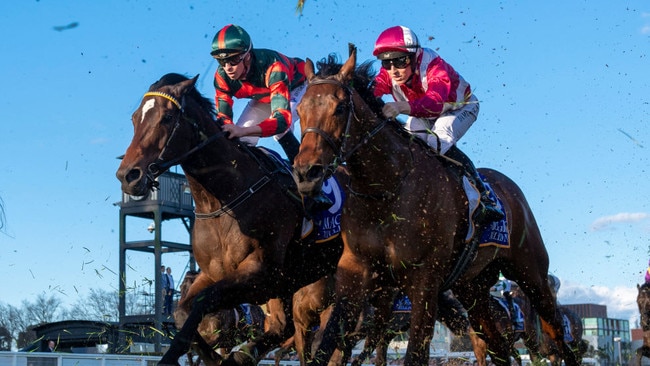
[133,175]
[315,172]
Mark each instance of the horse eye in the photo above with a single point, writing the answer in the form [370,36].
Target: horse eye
[340,108]
[167,118]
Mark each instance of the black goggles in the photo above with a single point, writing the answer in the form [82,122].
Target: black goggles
[232,60]
[399,63]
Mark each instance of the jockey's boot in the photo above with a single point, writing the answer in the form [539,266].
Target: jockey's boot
[321,202]
[315,204]
[290,145]
[488,210]
[511,308]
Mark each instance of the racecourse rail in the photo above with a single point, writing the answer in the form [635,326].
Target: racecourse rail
[106,359]
[81,359]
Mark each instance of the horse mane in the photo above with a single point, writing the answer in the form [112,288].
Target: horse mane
[174,78]
[363,83]
[362,80]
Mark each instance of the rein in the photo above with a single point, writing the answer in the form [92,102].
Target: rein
[341,156]
[161,164]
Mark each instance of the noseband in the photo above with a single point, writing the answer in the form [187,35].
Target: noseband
[341,156]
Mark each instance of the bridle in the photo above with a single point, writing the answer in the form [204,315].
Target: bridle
[161,164]
[338,145]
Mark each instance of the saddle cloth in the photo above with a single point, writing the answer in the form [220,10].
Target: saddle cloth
[402,304]
[567,329]
[327,223]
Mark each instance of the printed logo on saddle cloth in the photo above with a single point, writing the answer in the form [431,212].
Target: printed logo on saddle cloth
[496,233]
[402,304]
[327,223]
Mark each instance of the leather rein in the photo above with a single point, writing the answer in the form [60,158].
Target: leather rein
[341,156]
[161,164]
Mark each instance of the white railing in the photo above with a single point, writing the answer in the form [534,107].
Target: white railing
[81,359]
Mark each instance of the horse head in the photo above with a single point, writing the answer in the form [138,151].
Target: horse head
[336,112]
[161,134]
[643,302]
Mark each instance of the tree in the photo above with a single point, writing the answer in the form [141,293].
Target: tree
[43,310]
[16,324]
[12,319]
[5,339]
[100,304]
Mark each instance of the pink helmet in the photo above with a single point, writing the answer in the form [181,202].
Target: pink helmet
[395,42]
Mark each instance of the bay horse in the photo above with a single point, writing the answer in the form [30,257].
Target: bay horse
[538,343]
[406,220]
[225,328]
[247,233]
[504,324]
[643,302]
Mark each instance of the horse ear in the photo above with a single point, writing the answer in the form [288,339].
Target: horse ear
[348,67]
[185,86]
[309,69]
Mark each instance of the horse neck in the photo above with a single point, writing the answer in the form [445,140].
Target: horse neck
[218,171]
[386,151]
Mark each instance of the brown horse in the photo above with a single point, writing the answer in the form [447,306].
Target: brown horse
[451,313]
[538,343]
[504,324]
[406,220]
[247,234]
[224,329]
[643,302]
[312,306]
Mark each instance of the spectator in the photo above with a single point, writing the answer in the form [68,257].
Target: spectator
[51,346]
[169,292]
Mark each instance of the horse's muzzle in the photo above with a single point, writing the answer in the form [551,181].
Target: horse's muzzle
[134,182]
[309,180]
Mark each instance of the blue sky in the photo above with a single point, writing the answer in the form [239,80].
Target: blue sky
[564,112]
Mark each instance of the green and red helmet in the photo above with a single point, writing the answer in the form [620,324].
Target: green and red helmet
[231,40]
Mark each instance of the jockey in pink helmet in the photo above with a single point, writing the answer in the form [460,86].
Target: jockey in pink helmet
[439,103]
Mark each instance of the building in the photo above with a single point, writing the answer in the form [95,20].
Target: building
[609,339]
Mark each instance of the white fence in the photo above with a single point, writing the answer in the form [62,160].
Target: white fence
[80,359]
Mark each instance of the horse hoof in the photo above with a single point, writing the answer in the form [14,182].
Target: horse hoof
[239,358]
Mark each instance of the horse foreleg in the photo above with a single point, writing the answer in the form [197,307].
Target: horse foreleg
[184,306]
[424,309]
[345,312]
[479,346]
[278,330]
[496,329]
[183,339]
[379,330]
[206,353]
[555,331]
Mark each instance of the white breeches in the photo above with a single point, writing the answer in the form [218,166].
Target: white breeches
[443,132]
[256,112]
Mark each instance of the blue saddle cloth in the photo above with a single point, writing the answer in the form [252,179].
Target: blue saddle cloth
[326,223]
[402,304]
